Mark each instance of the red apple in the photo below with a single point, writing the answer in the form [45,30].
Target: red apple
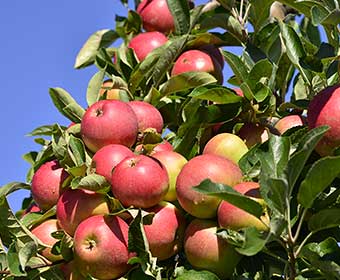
[70,271]
[238,91]
[288,122]
[324,109]
[226,145]
[139,181]
[207,251]
[199,168]
[106,158]
[215,53]
[74,206]
[163,146]
[147,116]
[47,183]
[43,233]
[101,247]
[165,234]
[33,208]
[156,16]
[173,163]
[109,122]
[199,61]
[232,217]
[253,133]
[145,43]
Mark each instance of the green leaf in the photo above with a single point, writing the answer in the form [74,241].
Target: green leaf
[227,193]
[180,12]
[100,39]
[12,187]
[66,104]
[182,274]
[93,182]
[324,219]
[77,150]
[254,242]
[13,261]
[31,219]
[262,69]
[259,12]
[319,177]
[26,253]
[237,66]
[93,88]
[46,130]
[218,94]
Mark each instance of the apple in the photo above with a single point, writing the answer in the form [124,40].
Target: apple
[232,217]
[288,122]
[32,208]
[46,185]
[197,60]
[147,116]
[109,122]
[101,247]
[253,133]
[139,181]
[111,93]
[205,250]
[145,43]
[197,169]
[107,157]
[173,163]
[215,53]
[226,145]
[238,91]
[70,271]
[156,16]
[74,206]
[160,147]
[324,109]
[165,234]
[43,233]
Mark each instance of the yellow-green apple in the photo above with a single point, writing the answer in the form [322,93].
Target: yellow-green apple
[197,169]
[107,157]
[232,217]
[47,183]
[205,250]
[101,247]
[173,163]
[147,116]
[43,232]
[253,133]
[226,145]
[74,206]
[139,181]
[165,234]
[109,122]
[197,61]
[287,122]
[108,89]
[156,16]
[324,109]
[145,43]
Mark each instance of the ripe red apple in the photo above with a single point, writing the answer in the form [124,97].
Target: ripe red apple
[163,146]
[232,217]
[215,53]
[107,157]
[253,133]
[74,206]
[47,183]
[288,122]
[139,181]
[43,233]
[196,60]
[207,251]
[165,234]
[33,208]
[70,271]
[109,122]
[101,247]
[199,168]
[156,16]
[145,43]
[111,93]
[147,116]
[226,145]
[324,109]
[173,163]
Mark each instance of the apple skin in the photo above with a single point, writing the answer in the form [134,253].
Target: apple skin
[215,53]
[226,145]
[199,168]
[70,271]
[145,43]
[163,146]
[101,247]
[156,16]
[74,206]
[47,183]
[324,109]
[288,122]
[165,234]
[197,60]
[109,122]
[206,251]
[238,91]
[139,181]
[107,157]
[43,233]
[33,208]
[147,116]
[232,217]
[111,93]
[253,133]
[173,163]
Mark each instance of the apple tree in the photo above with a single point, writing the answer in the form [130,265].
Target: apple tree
[177,171]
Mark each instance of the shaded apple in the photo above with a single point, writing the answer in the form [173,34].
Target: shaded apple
[253,133]
[215,53]
[287,122]
[108,89]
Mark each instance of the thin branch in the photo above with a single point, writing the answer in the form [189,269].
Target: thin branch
[298,251]
[300,224]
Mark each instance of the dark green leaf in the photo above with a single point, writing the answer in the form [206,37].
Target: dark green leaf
[324,219]
[262,69]
[259,12]
[219,94]
[236,65]
[180,12]
[13,261]
[26,252]
[12,187]
[254,242]
[96,82]
[93,182]
[30,157]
